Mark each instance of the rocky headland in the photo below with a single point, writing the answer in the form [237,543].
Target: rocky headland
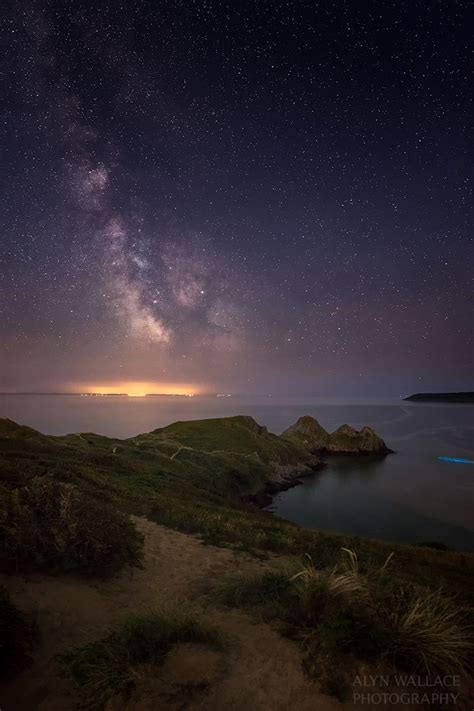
[308,433]
[460,397]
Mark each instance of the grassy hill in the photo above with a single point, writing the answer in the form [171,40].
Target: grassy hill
[240,434]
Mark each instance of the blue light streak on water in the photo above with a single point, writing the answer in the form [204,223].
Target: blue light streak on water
[457,460]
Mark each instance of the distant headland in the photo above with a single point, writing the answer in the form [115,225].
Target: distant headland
[441,397]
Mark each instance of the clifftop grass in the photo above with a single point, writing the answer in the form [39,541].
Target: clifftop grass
[238,435]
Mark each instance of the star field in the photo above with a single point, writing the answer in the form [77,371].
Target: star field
[266,197]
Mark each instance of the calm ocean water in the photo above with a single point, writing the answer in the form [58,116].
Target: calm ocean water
[410,496]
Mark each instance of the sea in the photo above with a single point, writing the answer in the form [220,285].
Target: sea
[411,496]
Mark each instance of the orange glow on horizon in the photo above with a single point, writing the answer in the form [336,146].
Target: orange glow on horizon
[139,389]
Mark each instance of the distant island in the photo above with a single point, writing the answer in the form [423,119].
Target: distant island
[441,397]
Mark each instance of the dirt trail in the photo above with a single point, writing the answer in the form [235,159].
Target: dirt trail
[258,670]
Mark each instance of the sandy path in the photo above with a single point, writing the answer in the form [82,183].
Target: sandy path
[258,669]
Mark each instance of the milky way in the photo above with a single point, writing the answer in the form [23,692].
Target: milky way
[261,198]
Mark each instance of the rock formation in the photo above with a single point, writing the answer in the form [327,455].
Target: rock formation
[345,440]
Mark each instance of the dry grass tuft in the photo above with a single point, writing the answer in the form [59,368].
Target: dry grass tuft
[343,614]
[434,633]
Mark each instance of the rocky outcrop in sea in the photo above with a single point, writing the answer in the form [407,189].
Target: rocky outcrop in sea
[345,440]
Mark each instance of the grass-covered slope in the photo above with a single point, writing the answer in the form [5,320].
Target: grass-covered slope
[225,457]
[168,476]
[240,434]
[64,500]
[52,514]
[231,456]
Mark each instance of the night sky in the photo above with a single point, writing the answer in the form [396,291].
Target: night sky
[246,197]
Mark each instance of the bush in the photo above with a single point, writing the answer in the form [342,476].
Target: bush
[113,665]
[17,634]
[55,527]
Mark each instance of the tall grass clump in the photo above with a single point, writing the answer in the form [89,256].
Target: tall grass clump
[432,633]
[345,615]
[116,664]
[371,616]
[54,526]
[315,588]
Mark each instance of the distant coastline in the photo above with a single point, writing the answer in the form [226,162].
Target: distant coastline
[127,395]
[461,397]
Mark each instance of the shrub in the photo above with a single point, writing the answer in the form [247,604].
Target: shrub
[17,634]
[55,527]
[113,665]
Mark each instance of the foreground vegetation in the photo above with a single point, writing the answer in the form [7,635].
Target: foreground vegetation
[116,664]
[344,618]
[65,505]
[54,526]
